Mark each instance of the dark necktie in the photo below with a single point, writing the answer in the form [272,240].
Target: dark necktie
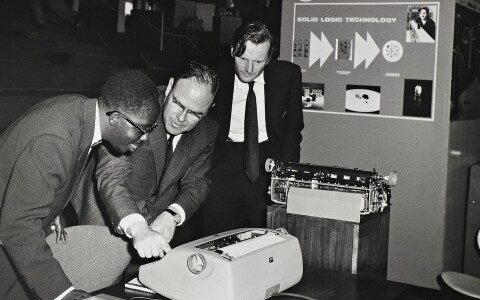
[169,153]
[250,145]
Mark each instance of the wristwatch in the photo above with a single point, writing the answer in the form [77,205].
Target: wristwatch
[176,217]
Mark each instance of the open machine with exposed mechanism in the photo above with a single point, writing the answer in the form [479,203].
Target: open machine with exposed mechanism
[326,191]
[346,212]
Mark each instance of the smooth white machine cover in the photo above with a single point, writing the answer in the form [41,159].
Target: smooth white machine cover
[247,263]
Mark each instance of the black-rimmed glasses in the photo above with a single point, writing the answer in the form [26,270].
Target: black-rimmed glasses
[183,108]
[142,130]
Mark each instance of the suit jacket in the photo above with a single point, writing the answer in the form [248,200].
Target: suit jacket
[429,26]
[43,153]
[283,108]
[107,196]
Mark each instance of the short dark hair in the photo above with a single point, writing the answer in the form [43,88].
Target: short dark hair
[427,10]
[202,73]
[255,32]
[130,91]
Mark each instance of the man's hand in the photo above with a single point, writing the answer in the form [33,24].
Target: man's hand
[148,242]
[76,294]
[165,225]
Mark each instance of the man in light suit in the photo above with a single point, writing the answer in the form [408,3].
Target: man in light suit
[263,95]
[43,155]
[155,196]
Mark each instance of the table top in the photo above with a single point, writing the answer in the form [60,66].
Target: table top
[323,284]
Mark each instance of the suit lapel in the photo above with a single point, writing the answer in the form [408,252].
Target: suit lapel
[158,141]
[85,142]
[269,96]
[181,154]
[158,145]
[224,101]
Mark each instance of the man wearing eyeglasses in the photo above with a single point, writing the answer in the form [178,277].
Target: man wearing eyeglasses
[162,188]
[43,156]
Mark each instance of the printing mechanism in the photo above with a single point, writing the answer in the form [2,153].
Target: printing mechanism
[372,186]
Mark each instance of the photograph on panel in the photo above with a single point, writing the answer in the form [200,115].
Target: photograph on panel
[362,99]
[312,98]
[421,26]
[417,98]
[344,49]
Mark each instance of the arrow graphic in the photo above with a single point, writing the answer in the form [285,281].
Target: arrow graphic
[319,49]
[364,50]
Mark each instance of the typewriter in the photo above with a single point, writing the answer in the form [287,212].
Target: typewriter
[245,263]
[331,191]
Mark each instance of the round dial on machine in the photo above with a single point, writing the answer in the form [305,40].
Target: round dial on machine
[196,263]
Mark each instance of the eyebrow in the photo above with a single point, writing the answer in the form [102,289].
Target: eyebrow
[189,110]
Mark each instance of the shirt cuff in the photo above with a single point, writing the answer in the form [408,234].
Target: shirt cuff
[129,220]
[179,210]
[65,293]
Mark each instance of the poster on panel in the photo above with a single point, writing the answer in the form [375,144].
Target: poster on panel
[372,59]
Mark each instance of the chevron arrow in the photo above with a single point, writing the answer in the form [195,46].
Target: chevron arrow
[319,49]
[365,50]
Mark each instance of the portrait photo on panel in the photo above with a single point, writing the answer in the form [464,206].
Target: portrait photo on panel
[417,98]
[421,23]
[362,99]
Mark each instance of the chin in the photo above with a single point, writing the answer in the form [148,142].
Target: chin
[115,150]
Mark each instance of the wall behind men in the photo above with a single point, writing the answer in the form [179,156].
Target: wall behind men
[417,148]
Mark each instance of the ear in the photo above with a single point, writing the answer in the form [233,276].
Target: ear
[169,87]
[231,52]
[113,119]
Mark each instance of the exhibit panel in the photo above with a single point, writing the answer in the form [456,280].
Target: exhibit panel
[377,95]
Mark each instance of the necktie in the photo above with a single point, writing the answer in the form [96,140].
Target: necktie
[169,153]
[250,144]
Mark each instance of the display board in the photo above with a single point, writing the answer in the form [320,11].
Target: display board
[373,59]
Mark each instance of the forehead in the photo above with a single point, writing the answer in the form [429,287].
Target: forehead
[192,94]
[256,51]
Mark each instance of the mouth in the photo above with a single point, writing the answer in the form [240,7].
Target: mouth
[175,125]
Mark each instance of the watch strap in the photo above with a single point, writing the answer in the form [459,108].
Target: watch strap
[176,217]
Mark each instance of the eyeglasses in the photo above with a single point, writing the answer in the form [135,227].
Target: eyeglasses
[143,131]
[189,112]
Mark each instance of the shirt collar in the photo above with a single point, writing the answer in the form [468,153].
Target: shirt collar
[97,132]
[259,79]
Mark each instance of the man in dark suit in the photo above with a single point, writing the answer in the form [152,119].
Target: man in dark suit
[259,111]
[43,155]
[160,189]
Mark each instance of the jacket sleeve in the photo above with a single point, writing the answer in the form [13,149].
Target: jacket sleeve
[294,118]
[41,170]
[111,176]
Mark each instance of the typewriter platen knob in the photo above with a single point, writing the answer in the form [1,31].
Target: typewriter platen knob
[196,263]
[391,179]
[269,165]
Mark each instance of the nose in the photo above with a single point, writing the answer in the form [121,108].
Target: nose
[249,67]
[182,116]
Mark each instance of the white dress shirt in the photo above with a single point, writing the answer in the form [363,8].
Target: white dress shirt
[237,119]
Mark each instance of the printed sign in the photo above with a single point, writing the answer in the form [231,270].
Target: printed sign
[372,59]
